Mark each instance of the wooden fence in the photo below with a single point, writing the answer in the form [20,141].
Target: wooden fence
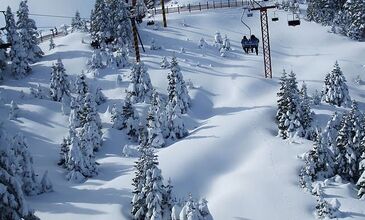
[203,6]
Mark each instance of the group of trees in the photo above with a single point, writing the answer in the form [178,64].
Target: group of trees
[18,178]
[153,199]
[84,137]
[294,115]
[164,118]
[22,34]
[110,21]
[339,150]
[347,16]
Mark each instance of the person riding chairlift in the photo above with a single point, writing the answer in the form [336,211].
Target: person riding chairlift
[255,44]
[244,43]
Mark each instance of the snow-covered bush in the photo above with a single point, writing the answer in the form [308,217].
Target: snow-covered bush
[52,45]
[38,92]
[14,110]
[154,46]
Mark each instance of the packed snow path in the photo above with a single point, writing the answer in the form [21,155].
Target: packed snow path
[232,156]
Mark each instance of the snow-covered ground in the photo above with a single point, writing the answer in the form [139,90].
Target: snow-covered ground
[232,155]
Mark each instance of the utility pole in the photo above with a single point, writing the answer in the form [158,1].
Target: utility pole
[162,2]
[135,32]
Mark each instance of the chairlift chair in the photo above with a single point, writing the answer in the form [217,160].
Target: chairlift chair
[4,45]
[295,20]
[249,13]
[275,17]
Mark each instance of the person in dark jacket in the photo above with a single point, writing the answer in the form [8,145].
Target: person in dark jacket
[244,43]
[255,44]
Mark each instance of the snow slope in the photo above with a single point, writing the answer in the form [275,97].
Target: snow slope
[232,156]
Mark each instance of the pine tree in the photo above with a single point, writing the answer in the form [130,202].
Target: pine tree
[121,57]
[96,61]
[81,85]
[348,143]
[28,32]
[282,95]
[226,43]
[177,91]
[18,55]
[325,210]
[76,24]
[330,134]
[306,117]
[155,136]
[164,63]
[14,110]
[3,60]
[59,86]
[175,124]
[361,181]
[154,191]
[316,97]
[204,210]
[52,45]
[335,91]
[290,119]
[140,87]
[218,41]
[126,119]
[121,27]
[99,96]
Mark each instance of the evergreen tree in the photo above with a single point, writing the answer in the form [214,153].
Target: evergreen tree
[3,60]
[28,32]
[96,61]
[126,119]
[325,210]
[316,97]
[59,86]
[121,57]
[76,23]
[164,63]
[361,181]
[52,45]
[101,21]
[335,91]
[282,95]
[155,137]
[177,91]
[350,19]
[99,96]
[175,124]
[14,110]
[121,24]
[330,134]
[18,54]
[218,40]
[226,43]
[81,85]
[290,120]
[306,117]
[154,191]
[140,87]
[348,142]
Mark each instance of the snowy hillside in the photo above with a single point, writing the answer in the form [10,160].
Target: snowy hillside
[232,155]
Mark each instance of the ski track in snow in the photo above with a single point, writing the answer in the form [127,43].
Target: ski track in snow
[232,156]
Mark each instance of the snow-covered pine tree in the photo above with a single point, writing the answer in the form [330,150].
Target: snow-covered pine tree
[25,171]
[60,85]
[96,61]
[121,57]
[99,96]
[177,91]
[46,184]
[316,97]
[167,200]
[361,181]
[126,119]
[154,191]
[218,40]
[326,210]
[88,111]
[3,60]
[306,115]
[140,87]
[52,45]
[81,85]
[164,63]
[282,95]
[226,43]
[175,123]
[350,19]
[18,55]
[28,33]
[348,143]
[101,23]
[330,134]
[14,110]
[290,119]
[13,205]
[146,161]
[155,137]
[90,137]
[319,163]
[204,210]
[335,91]
[76,23]
[122,28]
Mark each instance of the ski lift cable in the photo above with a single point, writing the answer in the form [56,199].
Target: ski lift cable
[54,16]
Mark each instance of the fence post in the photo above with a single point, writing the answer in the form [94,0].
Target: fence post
[242,2]
[229,4]
[167,9]
[189,7]
[236,3]
[221,4]
[207,6]
[200,7]
[178,9]
[213,4]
